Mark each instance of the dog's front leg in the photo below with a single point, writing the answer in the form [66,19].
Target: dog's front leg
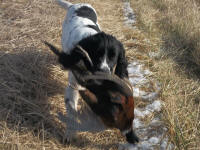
[71,124]
[72,93]
[71,103]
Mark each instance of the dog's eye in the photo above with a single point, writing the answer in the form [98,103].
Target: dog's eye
[111,54]
[100,53]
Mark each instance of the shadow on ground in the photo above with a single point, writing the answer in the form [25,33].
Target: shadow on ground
[26,84]
[31,88]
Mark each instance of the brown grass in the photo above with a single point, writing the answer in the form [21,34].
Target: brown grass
[32,83]
[172,27]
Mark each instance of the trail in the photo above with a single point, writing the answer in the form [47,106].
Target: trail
[148,124]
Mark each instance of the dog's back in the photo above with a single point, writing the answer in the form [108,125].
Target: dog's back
[80,22]
[84,10]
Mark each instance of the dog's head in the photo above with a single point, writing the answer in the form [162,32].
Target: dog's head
[106,53]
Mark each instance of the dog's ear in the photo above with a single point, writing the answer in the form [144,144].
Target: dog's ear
[121,68]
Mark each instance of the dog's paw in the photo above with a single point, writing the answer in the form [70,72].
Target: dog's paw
[69,137]
[68,140]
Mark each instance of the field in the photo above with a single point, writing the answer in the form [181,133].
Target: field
[172,26]
[32,83]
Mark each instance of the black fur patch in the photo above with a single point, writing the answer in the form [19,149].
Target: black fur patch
[87,12]
[98,47]
[69,61]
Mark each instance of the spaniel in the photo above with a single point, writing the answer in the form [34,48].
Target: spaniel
[80,27]
[81,30]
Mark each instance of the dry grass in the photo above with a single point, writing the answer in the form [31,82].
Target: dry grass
[172,27]
[32,83]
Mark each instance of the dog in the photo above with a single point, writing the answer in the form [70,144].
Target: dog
[80,27]
[110,100]
[80,30]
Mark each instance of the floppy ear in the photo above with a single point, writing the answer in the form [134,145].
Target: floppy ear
[121,68]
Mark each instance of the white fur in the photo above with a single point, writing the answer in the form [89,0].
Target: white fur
[74,29]
[72,94]
[104,65]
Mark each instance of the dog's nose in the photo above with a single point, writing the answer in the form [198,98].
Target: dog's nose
[104,67]
[106,70]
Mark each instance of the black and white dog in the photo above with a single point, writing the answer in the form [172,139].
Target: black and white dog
[81,29]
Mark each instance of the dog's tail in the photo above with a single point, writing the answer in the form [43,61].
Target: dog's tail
[64,4]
